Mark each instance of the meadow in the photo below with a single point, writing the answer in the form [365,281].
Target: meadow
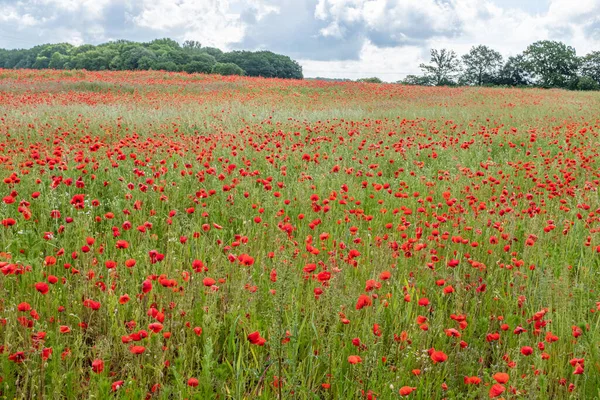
[168,236]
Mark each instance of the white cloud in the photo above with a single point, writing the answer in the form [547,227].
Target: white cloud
[10,14]
[396,20]
[210,21]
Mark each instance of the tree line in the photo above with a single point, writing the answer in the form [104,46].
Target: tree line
[159,54]
[546,63]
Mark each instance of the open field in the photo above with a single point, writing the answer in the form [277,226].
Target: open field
[194,236]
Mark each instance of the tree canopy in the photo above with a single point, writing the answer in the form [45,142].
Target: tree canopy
[481,65]
[546,63]
[590,66]
[551,63]
[443,68]
[160,54]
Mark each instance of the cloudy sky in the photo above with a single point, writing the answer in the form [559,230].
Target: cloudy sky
[330,38]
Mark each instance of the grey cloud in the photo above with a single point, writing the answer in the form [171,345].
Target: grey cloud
[295,31]
[592,30]
[560,32]
[61,24]
[118,23]
[415,31]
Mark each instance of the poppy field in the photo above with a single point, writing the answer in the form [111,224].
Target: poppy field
[166,235]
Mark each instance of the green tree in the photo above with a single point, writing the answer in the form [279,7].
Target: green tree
[200,63]
[98,59]
[253,64]
[370,80]
[58,61]
[191,46]
[481,65]
[227,69]
[25,60]
[416,80]
[13,57]
[264,63]
[284,66]
[49,49]
[590,66]
[587,83]
[213,51]
[82,49]
[514,73]
[165,66]
[130,58]
[3,57]
[164,43]
[41,62]
[551,63]
[443,68]
[160,54]
[147,62]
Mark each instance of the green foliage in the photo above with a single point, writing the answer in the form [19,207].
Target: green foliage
[590,66]
[443,68]
[200,63]
[213,51]
[481,65]
[160,54]
[370,80]
[551,63]
[587,83]
[227,69]
[191,46]
[416,80]
[162,44]
[513,73]
[93,60]
[264,63]
[41,62]
[58,61]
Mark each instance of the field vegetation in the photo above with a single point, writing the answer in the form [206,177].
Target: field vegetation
[165,235]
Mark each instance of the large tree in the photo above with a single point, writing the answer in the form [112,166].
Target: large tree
[590,66]
[481,65]
[551,63]
[443,68]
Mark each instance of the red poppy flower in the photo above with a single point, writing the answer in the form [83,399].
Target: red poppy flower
[116,385]
[208,282]
[500,377]
[496,390]
[98,366]
[406,390]
[42,287]
[354,359]
[438,356]
[137,349]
